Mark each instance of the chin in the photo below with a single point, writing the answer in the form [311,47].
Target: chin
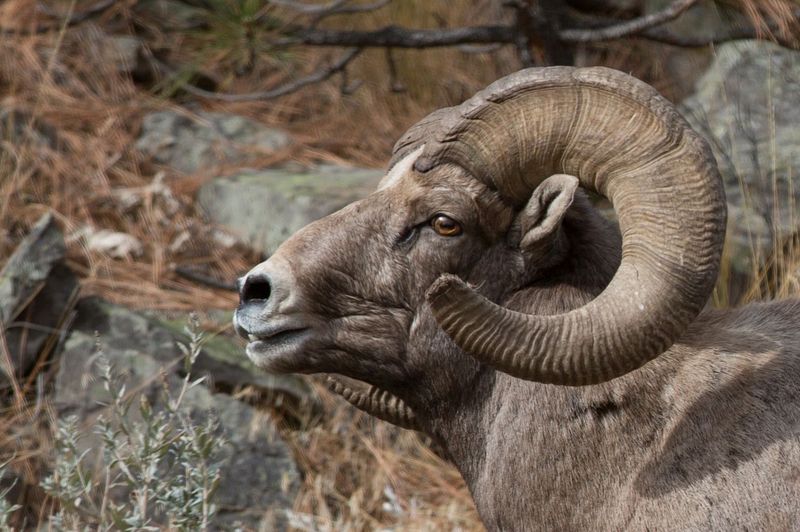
[283,353]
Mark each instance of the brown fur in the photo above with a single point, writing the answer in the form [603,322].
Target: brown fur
[705,437]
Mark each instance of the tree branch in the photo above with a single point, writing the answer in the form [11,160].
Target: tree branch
[207,280]
[630,27]
[397,37]
[315,77]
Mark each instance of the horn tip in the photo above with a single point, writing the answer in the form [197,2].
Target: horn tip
[444,289]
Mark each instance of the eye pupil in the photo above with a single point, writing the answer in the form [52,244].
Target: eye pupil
[446,226]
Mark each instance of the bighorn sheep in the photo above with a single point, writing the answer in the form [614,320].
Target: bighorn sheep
[571,373]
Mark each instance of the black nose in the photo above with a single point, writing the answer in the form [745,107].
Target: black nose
[255,287]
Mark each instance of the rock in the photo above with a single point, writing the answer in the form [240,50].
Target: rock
[748,105]
[266,207]
[122,51]
[129,199]
[259,478]
[210,139]
[113,243]
[229,370]
[37,292]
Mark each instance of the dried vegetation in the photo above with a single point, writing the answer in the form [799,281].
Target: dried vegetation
[69,123]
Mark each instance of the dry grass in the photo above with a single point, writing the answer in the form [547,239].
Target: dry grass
[360,474]
[364,474]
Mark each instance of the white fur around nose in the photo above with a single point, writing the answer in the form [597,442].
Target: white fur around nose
[400,169]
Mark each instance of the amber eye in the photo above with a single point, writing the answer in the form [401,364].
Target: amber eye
[445,225]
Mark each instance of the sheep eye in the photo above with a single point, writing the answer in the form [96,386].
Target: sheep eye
[445,226]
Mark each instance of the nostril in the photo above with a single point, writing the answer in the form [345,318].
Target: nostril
[256,287]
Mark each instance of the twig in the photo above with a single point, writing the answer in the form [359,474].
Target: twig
[630,27]
[282,90]
[664,36]
[661,35]
[203,279]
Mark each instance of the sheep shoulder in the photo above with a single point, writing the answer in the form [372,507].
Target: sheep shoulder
[707,436]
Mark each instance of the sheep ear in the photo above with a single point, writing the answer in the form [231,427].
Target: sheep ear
[540,220]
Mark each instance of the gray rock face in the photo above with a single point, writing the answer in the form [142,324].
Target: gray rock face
[748,105]
[212,139]
[259,477]
[266,207]
[37,291]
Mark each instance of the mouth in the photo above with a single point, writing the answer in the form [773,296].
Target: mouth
[276,350]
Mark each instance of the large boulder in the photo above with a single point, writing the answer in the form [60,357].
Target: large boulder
[748,105]
[259,478]
[205,140]
[37,293]
[266,207]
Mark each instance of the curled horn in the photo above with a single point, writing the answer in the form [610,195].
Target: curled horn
[621,139]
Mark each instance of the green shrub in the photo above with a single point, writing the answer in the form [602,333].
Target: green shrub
[158,465]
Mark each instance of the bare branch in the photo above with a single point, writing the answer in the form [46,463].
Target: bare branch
[397,37]
[664,36]
[630,27]
[315,77]
[201,278]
